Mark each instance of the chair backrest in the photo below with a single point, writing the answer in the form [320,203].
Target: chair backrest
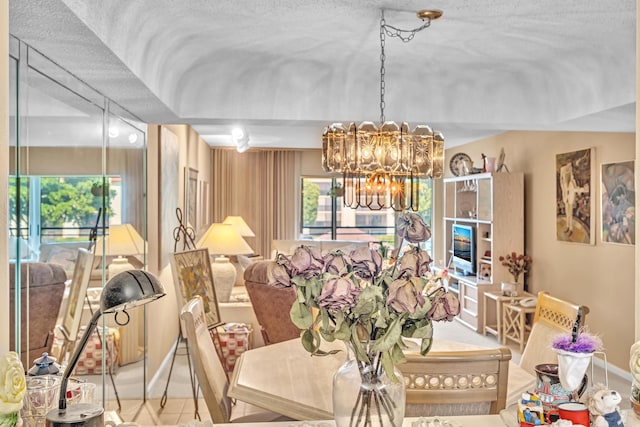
[468,382]
[209,370]
[553,316]
[270,304]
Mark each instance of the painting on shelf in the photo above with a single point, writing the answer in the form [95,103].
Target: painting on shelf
[574,196]
[618,198]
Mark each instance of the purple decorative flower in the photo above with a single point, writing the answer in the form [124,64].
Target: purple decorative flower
[414,262]
[278,276]
[338,293]
[404,297]
[367,263]
[337,263]
[584,343]
[306,262]
[412,227]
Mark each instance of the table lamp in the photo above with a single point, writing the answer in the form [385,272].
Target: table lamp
[123,240]
[123,291]
[223,240]
[241,227]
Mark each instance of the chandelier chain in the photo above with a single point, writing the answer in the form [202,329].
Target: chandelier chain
[382,69]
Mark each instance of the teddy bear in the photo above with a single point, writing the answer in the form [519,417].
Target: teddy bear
[604,408]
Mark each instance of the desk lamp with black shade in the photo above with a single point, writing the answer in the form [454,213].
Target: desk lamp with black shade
[123,291]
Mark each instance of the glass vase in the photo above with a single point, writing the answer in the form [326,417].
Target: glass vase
[363,394]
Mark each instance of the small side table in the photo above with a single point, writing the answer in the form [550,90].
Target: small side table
[516,326]
[494,326]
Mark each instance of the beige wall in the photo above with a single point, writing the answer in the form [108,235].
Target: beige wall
[163,330]
[600,276]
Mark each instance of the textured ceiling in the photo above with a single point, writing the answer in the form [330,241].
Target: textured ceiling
[287,68]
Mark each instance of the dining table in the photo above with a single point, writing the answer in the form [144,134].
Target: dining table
[448,421]
[284,378]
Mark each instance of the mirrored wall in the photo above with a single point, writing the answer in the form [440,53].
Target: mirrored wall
[77,175]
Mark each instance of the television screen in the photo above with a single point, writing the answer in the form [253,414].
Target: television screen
[464,248]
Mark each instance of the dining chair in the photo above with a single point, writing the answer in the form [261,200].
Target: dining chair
[467,382]
[211,375]
[271,305]
[553,316]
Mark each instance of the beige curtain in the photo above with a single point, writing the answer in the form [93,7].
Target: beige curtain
[263,188]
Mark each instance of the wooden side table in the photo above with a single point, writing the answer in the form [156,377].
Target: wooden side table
[516,326]
[494,326]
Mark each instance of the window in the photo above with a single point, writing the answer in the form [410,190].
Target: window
[324,215]
[67,210]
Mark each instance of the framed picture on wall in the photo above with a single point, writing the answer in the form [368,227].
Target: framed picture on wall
[575,172]
[618,197]
[192,276]
[191,197]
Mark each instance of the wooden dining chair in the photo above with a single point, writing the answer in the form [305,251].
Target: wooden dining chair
[211,375]
[468,382]
[553,316]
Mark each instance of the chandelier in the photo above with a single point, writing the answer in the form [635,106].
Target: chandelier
[382,164]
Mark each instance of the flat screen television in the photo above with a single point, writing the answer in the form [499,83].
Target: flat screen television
[464,248]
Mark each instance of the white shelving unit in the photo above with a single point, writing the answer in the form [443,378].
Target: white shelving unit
[493,204]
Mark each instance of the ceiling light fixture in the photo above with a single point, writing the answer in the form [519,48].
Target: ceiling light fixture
[240,138]
[382,165]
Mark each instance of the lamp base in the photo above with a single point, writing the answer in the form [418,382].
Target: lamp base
[224,278]
[118,265]
[78,415]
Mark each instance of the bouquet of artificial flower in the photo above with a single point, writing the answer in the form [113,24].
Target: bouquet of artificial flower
[516,264]
[360,301]
[12,389]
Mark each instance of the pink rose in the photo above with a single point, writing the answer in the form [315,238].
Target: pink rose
[336,263]
[367,263]
[306,262]
[278,276]
[415,262]
[338,293]
[412,227]
[404,297]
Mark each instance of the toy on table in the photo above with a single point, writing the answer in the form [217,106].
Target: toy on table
[604,405]
[530,410]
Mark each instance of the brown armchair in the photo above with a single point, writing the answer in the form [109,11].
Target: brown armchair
[271,305]
[44,284]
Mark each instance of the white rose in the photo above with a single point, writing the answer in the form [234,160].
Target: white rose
[634,361]
[12,383]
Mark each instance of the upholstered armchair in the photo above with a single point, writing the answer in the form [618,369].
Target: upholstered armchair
[44,284]
[271,305]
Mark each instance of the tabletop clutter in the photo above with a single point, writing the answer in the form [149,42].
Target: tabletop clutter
[563,396]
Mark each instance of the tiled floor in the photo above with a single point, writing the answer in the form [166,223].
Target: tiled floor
[175,411]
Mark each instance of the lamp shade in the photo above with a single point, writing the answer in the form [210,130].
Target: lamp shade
[122,240]
[223,239]
[129,289]
[240,225]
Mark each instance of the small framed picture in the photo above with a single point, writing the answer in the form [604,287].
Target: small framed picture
[618,198]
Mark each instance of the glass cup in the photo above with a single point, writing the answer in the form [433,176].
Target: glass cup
[40,398]
[80,392]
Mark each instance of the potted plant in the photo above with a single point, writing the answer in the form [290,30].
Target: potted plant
[517,264]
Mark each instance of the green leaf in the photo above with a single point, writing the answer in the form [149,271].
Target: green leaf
[425,331]
[310,340]
[390,337]
[388,365]
[301,315]
[426,345]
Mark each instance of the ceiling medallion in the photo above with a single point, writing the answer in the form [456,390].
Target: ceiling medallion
[382,164]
